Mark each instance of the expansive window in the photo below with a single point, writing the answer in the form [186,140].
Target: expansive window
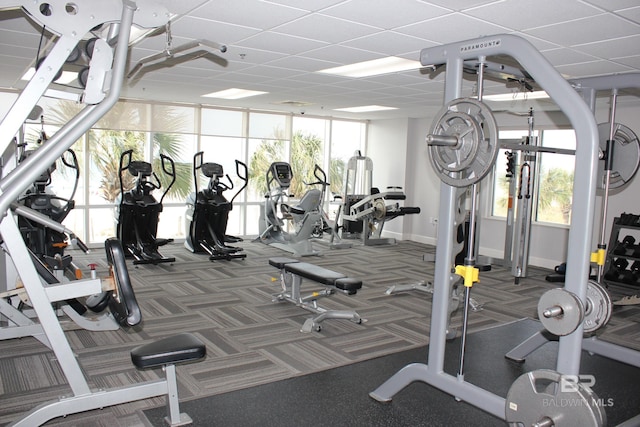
[553,174]
[225,136]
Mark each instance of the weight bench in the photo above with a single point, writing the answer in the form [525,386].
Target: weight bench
[293,272]
[167,353]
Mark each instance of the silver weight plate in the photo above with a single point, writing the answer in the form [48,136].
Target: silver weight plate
[545,397]
[626,154]
[599,307]
[568,311]
[472,123]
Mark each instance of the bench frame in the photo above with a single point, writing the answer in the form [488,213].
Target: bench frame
[291,291]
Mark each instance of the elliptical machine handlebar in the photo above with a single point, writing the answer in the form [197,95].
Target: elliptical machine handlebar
[320,176]
[164,160]
[244,177]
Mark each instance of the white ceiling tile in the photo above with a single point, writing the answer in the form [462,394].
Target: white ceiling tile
[586,30]
[564,56]
[385,14]
[632,13]
[280,43]
[302,63]
[326,29]
[596,68]
[611,48]
[309,5]
[390,43]
[341,54]
[439,29]
[523,14]
[221,32]
[459,5]
[249,13]
[613,5]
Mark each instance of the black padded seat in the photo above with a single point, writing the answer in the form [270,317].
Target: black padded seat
[314,272]
[184,347]
[349,285]
[280,261]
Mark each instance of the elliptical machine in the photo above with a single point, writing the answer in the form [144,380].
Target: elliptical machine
[138,211]
[46,243]
[306,215]
[208,211]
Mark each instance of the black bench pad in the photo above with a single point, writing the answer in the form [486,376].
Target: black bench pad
[314,272]
[349,285]
[184,347]
[280,262]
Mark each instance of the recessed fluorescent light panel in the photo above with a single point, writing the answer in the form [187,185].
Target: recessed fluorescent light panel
[366,109]
[391,64]
[516,96]
[233,93]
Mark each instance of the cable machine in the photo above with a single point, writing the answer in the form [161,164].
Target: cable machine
[462,143]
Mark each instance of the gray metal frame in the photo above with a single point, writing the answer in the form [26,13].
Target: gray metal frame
[107,75]
[580,116]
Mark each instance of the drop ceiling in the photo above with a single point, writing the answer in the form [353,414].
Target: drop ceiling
[278,47]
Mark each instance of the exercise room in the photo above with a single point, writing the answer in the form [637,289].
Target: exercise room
[311,213]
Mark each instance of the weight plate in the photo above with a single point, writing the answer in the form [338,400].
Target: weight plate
[626,154]
[544,397]
[570,315]
[599,307]
[473,156]
[380,209]
[122,303]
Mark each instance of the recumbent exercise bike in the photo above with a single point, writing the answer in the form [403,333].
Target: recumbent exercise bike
[208,211]
[306,215]
[138,211]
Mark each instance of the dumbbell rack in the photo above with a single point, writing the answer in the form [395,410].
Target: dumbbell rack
[622,264]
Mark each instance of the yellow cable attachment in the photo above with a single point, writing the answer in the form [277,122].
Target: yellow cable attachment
[599,257]
[469,273]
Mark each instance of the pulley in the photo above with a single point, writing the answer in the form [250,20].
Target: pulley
[463,142]
[626,154]
[547,398]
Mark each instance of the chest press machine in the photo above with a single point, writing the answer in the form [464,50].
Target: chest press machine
[463,147]
[70,22]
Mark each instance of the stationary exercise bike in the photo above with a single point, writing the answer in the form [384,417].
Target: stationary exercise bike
[138,211]
[306,215]
[208,211]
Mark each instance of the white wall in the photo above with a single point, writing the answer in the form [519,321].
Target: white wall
[387,148]
[548,243]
